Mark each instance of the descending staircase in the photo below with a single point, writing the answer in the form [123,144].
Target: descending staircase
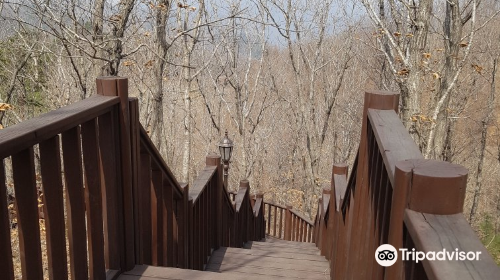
[268,259]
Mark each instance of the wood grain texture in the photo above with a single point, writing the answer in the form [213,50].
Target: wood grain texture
[93,197]
[6,265]
[23,167]
[434,232]
[53,206]
[75,203]
[16,138]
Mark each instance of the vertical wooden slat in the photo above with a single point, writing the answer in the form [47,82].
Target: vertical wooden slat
[157,217]
[75,203]
[168,201]
[136,160]
[145,209]
[183,226]
[268,228]
[275,219]
[50,161]
[93,200]
[23,167]
[6,265]
[113,225]
[281,227]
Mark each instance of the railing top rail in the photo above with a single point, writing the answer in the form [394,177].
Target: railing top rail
[340,189]
[18,137]
[433,233]
[394,141]
[302,217]
[240,196]
[275,205]
[201,182]
[257,206]
[153,151]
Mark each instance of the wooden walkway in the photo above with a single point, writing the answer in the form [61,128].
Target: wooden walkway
[269,259]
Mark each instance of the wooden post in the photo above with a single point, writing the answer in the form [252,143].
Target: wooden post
[357,247]
[118,86]
[427,186]
[288,223]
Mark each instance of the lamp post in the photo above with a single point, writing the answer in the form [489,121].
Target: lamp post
[225,149]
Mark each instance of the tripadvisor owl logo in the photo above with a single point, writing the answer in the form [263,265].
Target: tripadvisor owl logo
[386,255]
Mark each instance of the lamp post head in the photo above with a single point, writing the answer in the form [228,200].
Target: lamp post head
[226,148]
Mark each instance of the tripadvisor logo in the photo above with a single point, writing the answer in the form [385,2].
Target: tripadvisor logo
[386,255]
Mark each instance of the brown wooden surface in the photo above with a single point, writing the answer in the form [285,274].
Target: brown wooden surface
[5,245]
[93,198]
[23,167]
[50,161]
[113,229]
[14,139]
[437,232]
[75,203]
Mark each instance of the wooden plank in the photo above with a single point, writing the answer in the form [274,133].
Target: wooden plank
[437,232]
[75,203]
[275,219]
[150,273]
[113,225]
[5,244]
[157,216]
[93,197]
[271,272]
[23,168]
[148,146]
[50,162]
[145,210]
[264,261]
[16,138]
[274,253]
[393,139]
[266,247]
[201,182]
[168,202]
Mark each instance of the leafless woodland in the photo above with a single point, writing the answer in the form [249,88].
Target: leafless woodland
[286,78]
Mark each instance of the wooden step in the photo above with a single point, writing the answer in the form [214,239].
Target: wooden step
[144,272]
[286,272]
[276,253]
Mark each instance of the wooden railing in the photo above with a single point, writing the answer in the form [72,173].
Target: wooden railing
[394,196]
[285,223]
[113,192]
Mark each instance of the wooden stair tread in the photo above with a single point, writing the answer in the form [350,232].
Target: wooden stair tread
[272,259]
[270,253]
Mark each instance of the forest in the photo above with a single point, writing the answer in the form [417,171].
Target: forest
[285,78]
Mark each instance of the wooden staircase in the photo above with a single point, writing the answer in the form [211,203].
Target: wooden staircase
[267,259]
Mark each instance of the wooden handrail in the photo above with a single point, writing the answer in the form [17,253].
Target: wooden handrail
[394,195]
[26,134]
[123,204]
[151,149]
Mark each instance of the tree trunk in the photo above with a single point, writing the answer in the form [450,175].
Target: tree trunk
[484,136]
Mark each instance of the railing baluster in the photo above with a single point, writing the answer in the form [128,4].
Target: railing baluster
[145,210]
[168,202]
[157,216]
[93,200]
[75,203]
[275,219]
[113,228]
[50,161]
[6,266]
[23,167]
